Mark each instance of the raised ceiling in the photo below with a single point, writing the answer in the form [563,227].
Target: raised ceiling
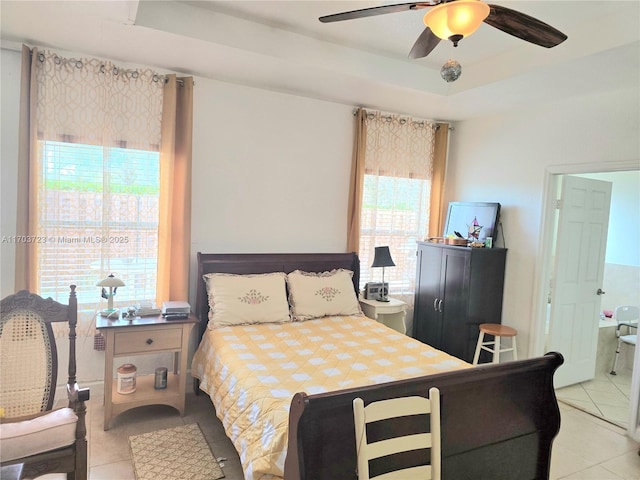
[281,46]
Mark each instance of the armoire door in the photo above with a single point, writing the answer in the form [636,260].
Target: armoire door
[428,320]
[454,278]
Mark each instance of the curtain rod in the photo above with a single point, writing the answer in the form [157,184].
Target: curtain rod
[116,70]
[389,116]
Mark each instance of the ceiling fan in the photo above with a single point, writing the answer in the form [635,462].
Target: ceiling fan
[456,19]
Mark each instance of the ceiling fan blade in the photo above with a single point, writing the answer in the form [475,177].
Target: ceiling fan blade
[426,42]
[381,10]
[524,26]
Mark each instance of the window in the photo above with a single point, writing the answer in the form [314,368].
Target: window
[394,213]
[104,172]
[98,213]
[397,168]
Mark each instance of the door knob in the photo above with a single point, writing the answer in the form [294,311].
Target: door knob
[600,292]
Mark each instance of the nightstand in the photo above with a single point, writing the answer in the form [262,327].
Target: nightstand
[145,336]
[391,313]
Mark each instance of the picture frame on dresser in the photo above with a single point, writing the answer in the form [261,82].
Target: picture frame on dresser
[474,221]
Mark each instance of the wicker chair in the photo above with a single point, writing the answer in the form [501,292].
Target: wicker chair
[45,441]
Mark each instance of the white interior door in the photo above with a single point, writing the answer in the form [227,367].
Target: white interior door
[577,276]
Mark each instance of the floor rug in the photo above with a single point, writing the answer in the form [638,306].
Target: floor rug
[180,453]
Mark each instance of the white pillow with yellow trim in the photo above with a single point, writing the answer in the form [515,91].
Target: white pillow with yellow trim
[246,299]
[314,295]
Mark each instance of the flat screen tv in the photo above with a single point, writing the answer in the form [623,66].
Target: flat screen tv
[474,221]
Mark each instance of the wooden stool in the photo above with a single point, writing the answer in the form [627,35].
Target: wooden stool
[494,346]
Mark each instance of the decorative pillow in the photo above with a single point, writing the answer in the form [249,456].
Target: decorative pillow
[314,295]
[246,299]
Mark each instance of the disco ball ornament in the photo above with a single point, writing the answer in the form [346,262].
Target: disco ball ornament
[451,71]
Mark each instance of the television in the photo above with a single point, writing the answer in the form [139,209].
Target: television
[474,221]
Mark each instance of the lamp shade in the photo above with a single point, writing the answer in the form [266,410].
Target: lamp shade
[382,258]
[459,18]
[110,281]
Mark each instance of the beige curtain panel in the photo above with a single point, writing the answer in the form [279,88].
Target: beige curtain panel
[27,214]
[174,239]
[436,207]
[356,183]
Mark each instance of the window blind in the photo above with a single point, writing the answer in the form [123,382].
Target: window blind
[98,214]
[394,213]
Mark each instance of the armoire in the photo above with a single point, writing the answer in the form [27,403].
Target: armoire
[457,289]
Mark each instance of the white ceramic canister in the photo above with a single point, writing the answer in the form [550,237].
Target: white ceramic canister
[126,379]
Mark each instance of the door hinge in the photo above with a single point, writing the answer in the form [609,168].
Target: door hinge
[558,204]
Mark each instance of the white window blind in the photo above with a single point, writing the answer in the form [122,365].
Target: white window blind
[98,214]
[394,213]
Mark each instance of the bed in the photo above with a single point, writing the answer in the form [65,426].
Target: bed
[284,390]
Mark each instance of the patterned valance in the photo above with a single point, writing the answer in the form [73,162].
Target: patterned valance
[399,146]
[94,102]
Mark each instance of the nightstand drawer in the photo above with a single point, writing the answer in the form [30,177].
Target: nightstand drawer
[147,340]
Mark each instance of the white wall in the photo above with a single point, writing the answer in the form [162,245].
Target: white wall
[271,172]
[505,158]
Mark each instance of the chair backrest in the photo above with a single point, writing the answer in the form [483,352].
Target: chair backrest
[395,408]
[29,366]
[627,314]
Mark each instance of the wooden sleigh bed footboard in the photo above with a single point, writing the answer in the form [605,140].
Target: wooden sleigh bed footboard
[497,422]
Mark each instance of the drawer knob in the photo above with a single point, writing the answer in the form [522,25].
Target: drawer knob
[149,341]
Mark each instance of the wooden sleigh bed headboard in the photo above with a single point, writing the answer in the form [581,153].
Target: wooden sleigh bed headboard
[498,421]
[252,263]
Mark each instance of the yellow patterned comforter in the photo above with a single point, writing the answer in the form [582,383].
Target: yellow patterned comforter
[251,373]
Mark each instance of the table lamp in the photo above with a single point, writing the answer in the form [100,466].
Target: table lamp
[112,283]
[383,259]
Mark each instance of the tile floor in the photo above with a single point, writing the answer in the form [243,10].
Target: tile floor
[109,457]
[589,448]
[586,447]
[606,395]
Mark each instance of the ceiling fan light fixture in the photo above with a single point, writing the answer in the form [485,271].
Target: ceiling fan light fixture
[456,19]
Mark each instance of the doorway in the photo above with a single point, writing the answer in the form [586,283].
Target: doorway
[606,396]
